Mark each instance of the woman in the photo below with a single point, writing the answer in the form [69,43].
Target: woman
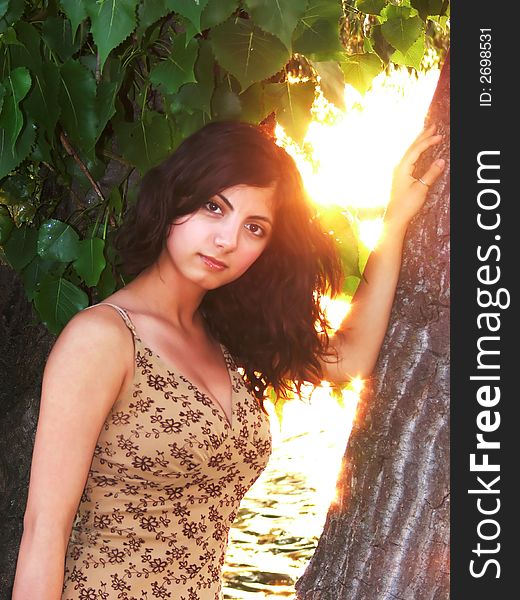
[148,435]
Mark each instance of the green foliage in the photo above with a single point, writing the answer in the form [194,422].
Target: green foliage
[111,22]
[77,98]
[371,7]
[191,10]
[281,21]
[401,29]
[95,92]
[292,104]
[57,301]
[91,261]
[317,34]
[75,10]
[57,241]
[339,224]
[147,141]
[15,88]
[177,68]
[332,81]
[360,69]
[247,52]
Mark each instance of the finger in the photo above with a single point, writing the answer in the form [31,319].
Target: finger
[432,173]
[426,131]
[412,154]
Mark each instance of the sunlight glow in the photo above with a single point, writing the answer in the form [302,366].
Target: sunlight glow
[370,231]
[348,157]
[335,309]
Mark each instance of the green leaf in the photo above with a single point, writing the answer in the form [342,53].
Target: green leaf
[317,34]
[332,81]
[91,261]
[9,37]
[57,301]
[278,17]
[428,7]
[253,105]
[79,106]
[149,12]
[216,12]
[292,104]
[57,241]
[368,46]
[198,95]
[115,204]
[320,41]
[13,12]
[145,143]
[225,103]
[400,29]
[177,68]
[360,70]
[105,103]
[58,36]
[338,223]
[35,272]
[20,187]
[21,247]
[16,86]
[107,283]
[75,11]
[412,57]
[112,21]
[371,7]
[6,224]
[189,123]
[247,52]
[192,10]
[2,95]
[11,157]
[322,9]
[379,44]
[42,101]
[350,285]
[4,5]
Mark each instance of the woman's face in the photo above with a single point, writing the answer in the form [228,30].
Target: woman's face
[217,243]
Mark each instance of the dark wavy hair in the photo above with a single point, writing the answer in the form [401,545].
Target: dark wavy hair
[270,318]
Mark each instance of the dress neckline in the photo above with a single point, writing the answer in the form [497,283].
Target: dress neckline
[227,361]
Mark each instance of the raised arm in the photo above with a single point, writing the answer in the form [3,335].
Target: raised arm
[87,369]
[360,336]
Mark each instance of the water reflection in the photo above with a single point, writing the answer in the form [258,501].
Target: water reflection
[282,516]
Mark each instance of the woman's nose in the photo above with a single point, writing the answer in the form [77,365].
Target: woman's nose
[227,237]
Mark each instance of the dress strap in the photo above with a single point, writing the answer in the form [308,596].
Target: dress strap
[123,314]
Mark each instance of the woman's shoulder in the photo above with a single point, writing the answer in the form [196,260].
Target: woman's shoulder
[98,329]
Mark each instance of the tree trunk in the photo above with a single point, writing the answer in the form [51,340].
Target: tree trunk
[387,535]
[24,346]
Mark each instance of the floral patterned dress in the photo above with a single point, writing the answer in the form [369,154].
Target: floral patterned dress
[167,477]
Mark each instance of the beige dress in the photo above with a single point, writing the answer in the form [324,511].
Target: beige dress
[165,484]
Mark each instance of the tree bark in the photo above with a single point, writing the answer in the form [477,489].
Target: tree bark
[387,535]
[24,347]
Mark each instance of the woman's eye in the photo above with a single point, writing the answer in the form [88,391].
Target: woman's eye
[256,229]
[212,206]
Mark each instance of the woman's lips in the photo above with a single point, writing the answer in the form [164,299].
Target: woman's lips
[213,263]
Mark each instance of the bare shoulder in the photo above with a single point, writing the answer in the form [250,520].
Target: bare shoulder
[93,338]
